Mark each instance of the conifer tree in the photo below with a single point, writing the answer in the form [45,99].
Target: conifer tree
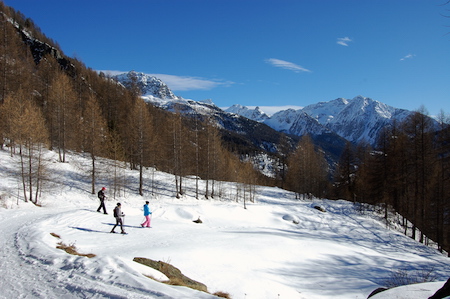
[442,195]
[10,50]
[25,126]
[344,178]
[139,136]
[63,114]
[95,135]
[418,129]
[307,169]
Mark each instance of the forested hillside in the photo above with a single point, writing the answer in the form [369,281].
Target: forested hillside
[407,173]
[48,100]
[51,100]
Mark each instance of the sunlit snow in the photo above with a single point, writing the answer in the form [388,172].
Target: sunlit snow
[278,247]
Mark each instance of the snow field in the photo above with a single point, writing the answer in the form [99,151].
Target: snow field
[258,252]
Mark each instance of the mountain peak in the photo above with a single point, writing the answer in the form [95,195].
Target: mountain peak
[148,85]
[253,114]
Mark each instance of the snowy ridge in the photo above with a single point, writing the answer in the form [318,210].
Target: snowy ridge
[254,114]
[296,122]
[356,120]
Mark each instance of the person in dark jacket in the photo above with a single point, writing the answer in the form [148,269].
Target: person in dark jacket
[101,195]
[118,215]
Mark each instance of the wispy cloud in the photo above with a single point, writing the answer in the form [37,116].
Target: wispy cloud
[271,110]
[110,72]
[409,56]
[286,65]
[344,41]
[183,83]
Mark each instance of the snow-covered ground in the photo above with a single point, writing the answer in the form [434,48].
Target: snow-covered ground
[254,253]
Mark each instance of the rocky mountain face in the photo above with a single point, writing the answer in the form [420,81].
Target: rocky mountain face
[147,85]
[40,49]
[358,120]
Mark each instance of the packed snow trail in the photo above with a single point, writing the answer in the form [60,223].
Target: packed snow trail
[31,269]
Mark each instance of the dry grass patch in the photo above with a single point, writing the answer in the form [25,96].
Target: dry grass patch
[70,249]
[55,235]
[222,295]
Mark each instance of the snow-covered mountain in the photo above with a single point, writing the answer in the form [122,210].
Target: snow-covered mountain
[255,114]
[357,120]
[149,86]
[296,122]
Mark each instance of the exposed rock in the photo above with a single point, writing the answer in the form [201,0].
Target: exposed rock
[173,273]
[442,292]
[40,49]
[319,208]
[379,290]
[198,220]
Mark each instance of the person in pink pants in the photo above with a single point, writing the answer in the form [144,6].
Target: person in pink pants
[147,214]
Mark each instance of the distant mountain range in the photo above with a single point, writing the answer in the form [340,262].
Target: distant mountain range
[357,120]
[329,123]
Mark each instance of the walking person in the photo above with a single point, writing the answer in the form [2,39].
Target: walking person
[147,214]
[101,195]
[118,215]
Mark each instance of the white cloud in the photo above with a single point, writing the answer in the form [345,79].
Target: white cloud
[343,41]
[271,110]
[286,65]
[111,73]
[409,56]
[182,83]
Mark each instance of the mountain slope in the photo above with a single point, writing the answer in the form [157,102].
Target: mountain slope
[243,134]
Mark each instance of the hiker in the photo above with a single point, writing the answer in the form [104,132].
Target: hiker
[147,214]
[101,195]
[118,215]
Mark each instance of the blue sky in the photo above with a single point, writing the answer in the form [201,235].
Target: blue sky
[261,52]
